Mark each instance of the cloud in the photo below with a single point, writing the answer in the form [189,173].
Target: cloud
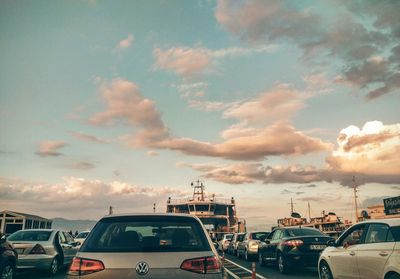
[274,140]
[186,61]
[86,137]
[126,105]
[125,43]
[354,33]
[279,103]
[208,106]
[49,148]
[90,196]
[370,154]
[372,150]
[152,153]
[81,165]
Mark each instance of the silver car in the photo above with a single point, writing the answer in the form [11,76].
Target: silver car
[42,249]
[147,246]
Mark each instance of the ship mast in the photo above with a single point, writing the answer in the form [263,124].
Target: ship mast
[198,191]
[355,196]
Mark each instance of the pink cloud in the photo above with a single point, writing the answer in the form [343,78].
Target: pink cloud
[125,43]
[281,102]
[50,148]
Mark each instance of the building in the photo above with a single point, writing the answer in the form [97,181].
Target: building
[11,221]
[378,212]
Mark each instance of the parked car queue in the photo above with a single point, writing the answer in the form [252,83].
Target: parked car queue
[367,250]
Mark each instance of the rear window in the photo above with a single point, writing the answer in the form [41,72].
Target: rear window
[258,235]
[146,234]
[30,236]
[302,232]
[240,237]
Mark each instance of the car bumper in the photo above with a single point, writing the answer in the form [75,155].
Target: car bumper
[34,261]
[302,259]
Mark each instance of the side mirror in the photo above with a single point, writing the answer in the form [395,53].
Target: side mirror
[267,241]
[216,245]
[331,243]
[2,238]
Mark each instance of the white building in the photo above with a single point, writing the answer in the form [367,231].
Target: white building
[11,221]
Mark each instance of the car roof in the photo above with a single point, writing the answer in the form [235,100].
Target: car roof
[389,221]
[179,215]
[42,230]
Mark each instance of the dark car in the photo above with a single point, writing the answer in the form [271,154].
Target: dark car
[8,259]
[290,248]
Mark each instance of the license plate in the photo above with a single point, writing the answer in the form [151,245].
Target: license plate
[317,247]
[20,250]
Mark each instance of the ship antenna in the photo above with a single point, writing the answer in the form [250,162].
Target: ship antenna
[355,196]
[291,206]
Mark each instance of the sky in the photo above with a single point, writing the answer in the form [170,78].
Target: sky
[125,103]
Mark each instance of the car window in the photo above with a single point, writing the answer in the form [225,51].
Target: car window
[61,238]
[30,236]
[302,232]
[395,232]
[240,237]
[146,234]
[69,238]
[258,235]
[353,236]
[377,233]
[277,235]
[82,235]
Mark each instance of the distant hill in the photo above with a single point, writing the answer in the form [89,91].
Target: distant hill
[73,225]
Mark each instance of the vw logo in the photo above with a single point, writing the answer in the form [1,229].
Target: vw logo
[316,239]
[142,268]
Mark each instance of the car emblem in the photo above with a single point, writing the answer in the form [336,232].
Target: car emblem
[142,268]
[316,239]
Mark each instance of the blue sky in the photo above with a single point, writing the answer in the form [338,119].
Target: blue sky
[127,102]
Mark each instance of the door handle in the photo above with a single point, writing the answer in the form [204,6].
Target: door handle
[352,253]
[383,253]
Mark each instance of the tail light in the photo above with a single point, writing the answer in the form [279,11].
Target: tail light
[81,266]
[202,265]
[37,249]
[293,243]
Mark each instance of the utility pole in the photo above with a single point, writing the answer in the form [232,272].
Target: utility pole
[110,210]
[355,196]
[309,212]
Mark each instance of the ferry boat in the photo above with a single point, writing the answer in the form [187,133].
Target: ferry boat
[329,223]
[219,215]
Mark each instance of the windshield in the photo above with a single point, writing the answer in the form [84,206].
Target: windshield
[30,236]
[302,232]
[258,235]
[146,234]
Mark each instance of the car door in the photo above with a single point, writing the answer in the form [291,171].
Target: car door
[68,246]
[242,244]
[374,253]
[270,249]
[343,258]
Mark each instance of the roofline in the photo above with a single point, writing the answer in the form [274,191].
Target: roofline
[148,214]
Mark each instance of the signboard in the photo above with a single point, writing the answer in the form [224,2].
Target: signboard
[392,205]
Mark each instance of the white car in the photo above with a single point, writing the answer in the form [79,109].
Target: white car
[224,242]
[369,249]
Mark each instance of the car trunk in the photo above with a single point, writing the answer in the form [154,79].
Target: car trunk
[161,265]
[312,243]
